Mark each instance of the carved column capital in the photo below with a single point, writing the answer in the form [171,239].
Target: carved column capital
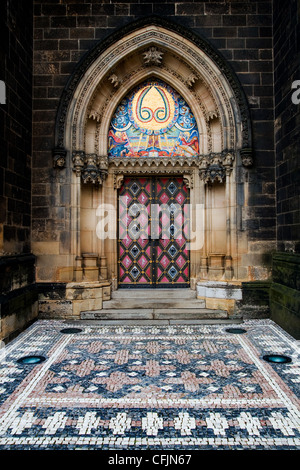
[118,181]
[78,161]
[153,56]
[216,166]
[228,162]
[91,167]
[188,180]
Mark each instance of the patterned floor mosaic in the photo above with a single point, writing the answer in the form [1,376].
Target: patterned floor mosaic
[150,387]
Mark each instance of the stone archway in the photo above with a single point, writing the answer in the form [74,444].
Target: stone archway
[154,48]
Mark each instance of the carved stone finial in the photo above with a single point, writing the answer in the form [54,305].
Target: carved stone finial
[191,80]
[115,81]
[153,56]
[94,115]
[210,115]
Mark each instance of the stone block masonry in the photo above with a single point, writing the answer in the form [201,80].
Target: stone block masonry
[18,299]
[15,127]
[18,295]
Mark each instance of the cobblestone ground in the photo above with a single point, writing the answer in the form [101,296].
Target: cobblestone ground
[164,387]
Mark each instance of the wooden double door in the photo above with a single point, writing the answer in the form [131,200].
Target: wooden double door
[153,232]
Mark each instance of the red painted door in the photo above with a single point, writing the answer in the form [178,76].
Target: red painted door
[153,232]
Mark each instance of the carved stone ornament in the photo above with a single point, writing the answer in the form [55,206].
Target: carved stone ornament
[78,162]
[216,166]
[189,180]
[94,115]
[118,181]
[247,157]
[90,167]
[210,115]
[191,80]
[153,56]
[115,81]
[118,175]
[154,162]
[59,158]
[93,168]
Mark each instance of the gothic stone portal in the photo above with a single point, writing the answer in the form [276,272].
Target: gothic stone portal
[164,108]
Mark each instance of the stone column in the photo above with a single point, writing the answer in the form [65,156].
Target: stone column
[75,222]
[230,206]
[204,257]
[228,257]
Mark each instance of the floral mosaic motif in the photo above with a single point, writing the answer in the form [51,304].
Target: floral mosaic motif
[187,368]
[153,121]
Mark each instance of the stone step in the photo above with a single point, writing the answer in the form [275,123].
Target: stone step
[154,305]
[151,303]
[154,294]
[188,314]
[135,322]
[118,314]
[154,314]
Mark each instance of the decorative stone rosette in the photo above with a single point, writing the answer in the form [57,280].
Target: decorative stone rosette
[216,166]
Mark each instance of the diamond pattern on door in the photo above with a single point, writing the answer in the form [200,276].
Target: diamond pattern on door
[134,230]
[172,261]
[153,232]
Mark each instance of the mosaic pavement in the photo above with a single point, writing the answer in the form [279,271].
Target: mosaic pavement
[150,387]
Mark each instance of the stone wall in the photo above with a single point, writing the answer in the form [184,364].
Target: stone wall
[15,126]
[285,290]
[17,296]
[287,123]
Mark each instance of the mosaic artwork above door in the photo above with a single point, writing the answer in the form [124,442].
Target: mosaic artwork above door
[153,232]
[153,121]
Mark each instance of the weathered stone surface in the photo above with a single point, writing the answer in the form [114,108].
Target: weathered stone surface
[285,292]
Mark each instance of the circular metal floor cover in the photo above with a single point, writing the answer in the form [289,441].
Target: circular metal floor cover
[70,331]
[31,360]
[236,331]
[277,358]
